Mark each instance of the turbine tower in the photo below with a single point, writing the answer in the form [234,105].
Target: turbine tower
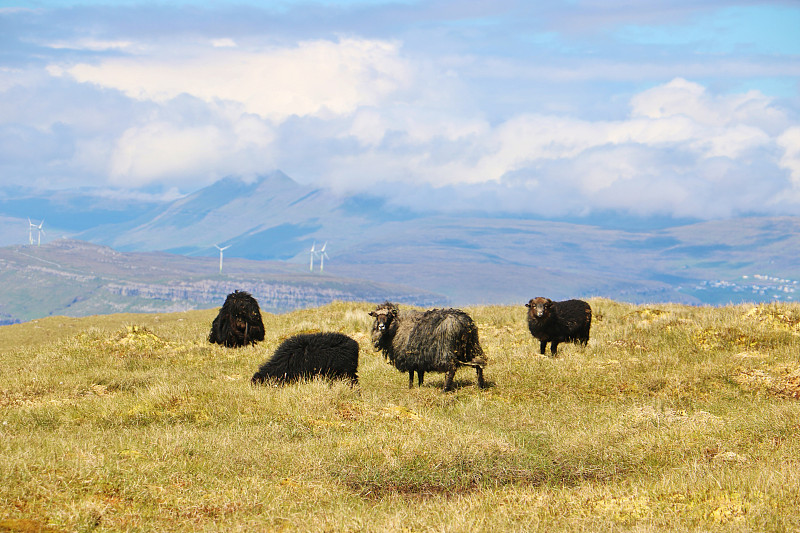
[220,255]
[312,252]
[322,256]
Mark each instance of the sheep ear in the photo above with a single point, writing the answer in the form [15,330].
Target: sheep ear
[373,313]
[528,305]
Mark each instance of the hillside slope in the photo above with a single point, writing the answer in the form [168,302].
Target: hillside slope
[75,278]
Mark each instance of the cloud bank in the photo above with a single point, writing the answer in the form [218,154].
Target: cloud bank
[557,120]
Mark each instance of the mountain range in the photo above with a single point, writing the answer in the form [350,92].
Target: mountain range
[452,258]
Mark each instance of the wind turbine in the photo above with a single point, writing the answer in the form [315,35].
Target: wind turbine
[312,252]
[39,229]
[220,255]
[39,237]
[322,255]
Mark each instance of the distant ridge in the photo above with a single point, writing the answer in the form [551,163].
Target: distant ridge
[76,278]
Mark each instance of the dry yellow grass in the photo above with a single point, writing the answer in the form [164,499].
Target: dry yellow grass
[672,418]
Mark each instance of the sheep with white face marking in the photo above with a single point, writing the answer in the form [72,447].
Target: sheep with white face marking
[556,322]
[439,340]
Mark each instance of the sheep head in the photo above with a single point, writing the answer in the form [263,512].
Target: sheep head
[539,308]
[243,310]
[385,325]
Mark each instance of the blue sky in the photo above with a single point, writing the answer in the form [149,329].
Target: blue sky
[557,108]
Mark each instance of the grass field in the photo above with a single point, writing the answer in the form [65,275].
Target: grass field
[673,418]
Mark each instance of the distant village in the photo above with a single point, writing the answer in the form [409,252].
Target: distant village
[757,284]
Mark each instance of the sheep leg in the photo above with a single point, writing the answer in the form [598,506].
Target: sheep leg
[553,348]
[542,347]
[481,382]
[448,382]
[420,373]
[410,379]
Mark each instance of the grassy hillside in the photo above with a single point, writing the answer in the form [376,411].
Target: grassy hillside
[673,417]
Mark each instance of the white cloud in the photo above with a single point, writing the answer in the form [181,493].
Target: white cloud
[731,142]
[678,116]
[419,125]
[357,111]
[789,141]
[681,151]
[223,43]
[193,155]
[676,98]
[93,45]
[159,150]
[314,78]
[244,93]
[682,98]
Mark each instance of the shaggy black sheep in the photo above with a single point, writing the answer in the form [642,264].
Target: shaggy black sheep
[555,322]
[439,340]
[332,355]
[238,322]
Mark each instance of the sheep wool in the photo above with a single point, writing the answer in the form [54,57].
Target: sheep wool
[438,340]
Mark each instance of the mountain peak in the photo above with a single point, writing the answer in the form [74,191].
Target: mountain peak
[277,177]
[239,183]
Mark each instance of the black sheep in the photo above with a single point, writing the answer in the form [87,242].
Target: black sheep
[238,322]
[332,355]
[439,340]
[555,322]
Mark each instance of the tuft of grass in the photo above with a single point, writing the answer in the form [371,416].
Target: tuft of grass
[672,418]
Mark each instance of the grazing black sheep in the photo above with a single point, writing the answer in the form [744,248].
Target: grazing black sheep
[332,355]
[238,322]
[555,322]
[439,340]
